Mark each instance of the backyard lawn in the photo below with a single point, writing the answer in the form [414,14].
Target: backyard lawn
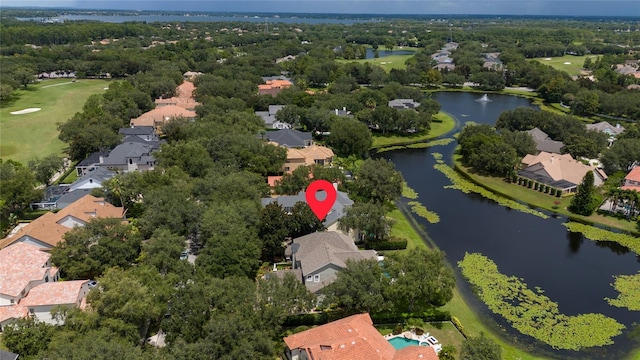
[35,134]
[569,63]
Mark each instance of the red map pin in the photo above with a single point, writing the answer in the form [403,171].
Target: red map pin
[322,206]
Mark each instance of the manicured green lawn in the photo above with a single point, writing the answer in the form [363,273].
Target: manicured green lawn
[446,124]
[560,63]
[24,137]
[386,62]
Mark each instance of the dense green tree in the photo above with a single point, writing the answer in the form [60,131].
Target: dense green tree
[586,102]
[303,221]
[279,297]
[18,185]
[521,142]
[102,344]
[272,231]
[27,337]
[349,137]
[359,287]
[368,219]
[136,296]
[585,200]
[162,251]
[88,251]
[44,168]
[621,155]
[231,245]
[588,145]
[377,181]
[480,348]
[422,279]
[190,156]
[294,182]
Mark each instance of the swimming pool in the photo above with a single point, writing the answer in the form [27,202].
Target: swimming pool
[401,342]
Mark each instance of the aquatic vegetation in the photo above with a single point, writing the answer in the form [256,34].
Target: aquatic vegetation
[629,288]
[466,186]
[532,313]
[408,192]
[597,234]
[420,210]
[439,142]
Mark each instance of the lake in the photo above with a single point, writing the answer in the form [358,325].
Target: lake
[573,271]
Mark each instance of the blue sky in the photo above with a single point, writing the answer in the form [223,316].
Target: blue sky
[461,7]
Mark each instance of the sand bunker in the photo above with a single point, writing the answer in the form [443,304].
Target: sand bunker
[547,59]
[25,111]
[566,63]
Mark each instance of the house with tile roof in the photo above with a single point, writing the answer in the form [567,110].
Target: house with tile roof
[290,138]
[558,171]
[48,230]
[161,115]
[632,180]
[321,255]
[44,297]
[184,97]
[273,86]
[314,154]
[269,118]
[330,222]
[350,338]
[22,267]
[544,142]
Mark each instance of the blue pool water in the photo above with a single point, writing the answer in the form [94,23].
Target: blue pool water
[401,342]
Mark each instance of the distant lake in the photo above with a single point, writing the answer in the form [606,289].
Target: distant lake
[194,18]
[383,53]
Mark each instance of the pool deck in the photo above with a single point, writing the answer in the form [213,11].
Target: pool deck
[423,340]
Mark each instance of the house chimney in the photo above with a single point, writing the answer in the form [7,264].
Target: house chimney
[336,112]
[551,159]
[335,186]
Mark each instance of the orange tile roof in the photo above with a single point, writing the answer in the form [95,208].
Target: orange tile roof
[21,264]
[634,174]
[184,97]
[47,228]
[352,338]
[12,312]
[56,293]
[161,114]
[560,167]
[272,180]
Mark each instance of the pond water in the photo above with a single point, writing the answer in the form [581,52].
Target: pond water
[573,271]
[382,53]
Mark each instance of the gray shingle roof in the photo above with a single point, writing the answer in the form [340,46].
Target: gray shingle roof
[337,211]
[140,130]
[94,158]
[127,150]
[320,249]
[544,143]
[290,138]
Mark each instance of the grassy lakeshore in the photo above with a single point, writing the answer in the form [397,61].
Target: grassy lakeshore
[35,134]
[541,200]
[444,124]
